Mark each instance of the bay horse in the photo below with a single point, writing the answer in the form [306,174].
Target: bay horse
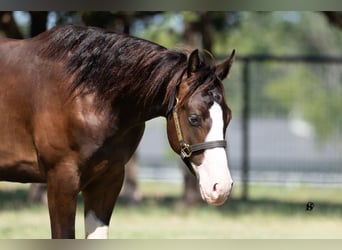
[74,101]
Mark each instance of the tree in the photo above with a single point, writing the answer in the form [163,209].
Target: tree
[334,17]
[9,26]
[315,92]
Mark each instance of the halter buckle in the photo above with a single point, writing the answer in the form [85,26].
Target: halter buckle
[185,151]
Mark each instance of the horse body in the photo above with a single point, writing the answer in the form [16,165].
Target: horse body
[43,134]
[73,119]
[18,161]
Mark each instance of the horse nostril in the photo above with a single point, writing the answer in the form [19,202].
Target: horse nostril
[215,187]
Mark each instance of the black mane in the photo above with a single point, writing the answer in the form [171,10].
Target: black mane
[113,65]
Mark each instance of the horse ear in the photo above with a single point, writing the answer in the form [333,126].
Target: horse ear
[200,59]
[222,70]
[208,59]
[194,62]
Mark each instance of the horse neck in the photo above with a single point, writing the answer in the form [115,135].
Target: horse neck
[150,99]
[154,105]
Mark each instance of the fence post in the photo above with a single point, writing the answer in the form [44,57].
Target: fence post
[245,127]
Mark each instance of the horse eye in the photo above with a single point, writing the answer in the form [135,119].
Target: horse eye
[194,120]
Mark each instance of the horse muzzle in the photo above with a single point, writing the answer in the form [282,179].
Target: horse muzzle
[214,178]
[217,193]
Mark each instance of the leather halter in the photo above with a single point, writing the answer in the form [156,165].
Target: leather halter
[186,149]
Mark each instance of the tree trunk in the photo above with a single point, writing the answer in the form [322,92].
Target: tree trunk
[37,193]
[334,18]
[206,32]
[191,195]
[38,22]
[130,193]
[9,26]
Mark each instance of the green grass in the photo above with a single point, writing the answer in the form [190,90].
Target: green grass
[271,212]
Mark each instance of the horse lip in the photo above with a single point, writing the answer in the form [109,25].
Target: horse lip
[217,200]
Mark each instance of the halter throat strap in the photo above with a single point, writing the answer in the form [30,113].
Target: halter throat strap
[186,150]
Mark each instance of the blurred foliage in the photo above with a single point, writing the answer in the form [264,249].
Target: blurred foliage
[165,29]
[314,94]
[315,91]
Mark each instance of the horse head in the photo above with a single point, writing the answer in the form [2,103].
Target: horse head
[197,122]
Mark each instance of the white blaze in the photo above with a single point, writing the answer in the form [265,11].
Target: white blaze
[95,228]
[213,174]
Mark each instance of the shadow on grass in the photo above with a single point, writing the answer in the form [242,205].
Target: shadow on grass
[281,207]
[17,199]
[10,199]
[239,207]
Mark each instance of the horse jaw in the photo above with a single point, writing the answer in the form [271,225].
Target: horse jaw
[213,174]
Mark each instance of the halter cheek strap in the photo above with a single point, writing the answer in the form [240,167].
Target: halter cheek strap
[186,150]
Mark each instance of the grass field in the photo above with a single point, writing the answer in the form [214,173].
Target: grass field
[271,212]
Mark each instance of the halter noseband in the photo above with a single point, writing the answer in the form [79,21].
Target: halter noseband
[186,149]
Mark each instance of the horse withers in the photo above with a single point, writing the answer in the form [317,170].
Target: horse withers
[74,101]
